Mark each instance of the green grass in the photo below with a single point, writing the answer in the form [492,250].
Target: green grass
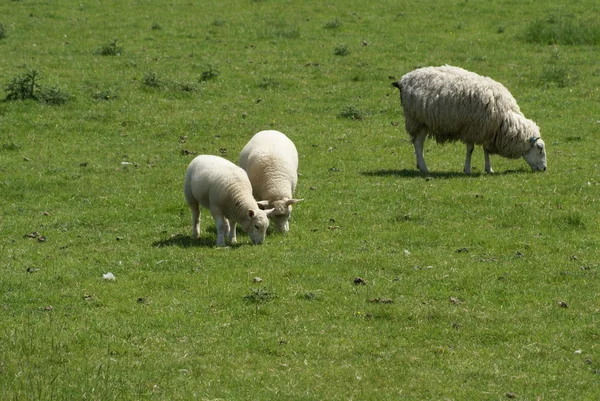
[477,288]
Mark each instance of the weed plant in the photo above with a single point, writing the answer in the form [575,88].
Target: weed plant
[110,49]
[341,50]
[27,87]
[2,31]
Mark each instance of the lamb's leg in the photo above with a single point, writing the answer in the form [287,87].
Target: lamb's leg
[221,223]
[195,219]
[488,165]
[418,142]
[232,234]
[470,148]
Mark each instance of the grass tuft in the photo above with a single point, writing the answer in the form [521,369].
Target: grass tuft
[335,23]
[209,74]
[341,50]
[27,87]
[107,94]
[110,49]
[151,80]
[562,30]
[10,147]
[53,95]
[23,87]
[351,112]
[260,295]
[2,31]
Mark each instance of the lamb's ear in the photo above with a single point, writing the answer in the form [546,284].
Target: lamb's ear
[251,213]
[269,211]
[263,204]
[292,201]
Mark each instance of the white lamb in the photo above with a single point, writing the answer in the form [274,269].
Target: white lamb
[452,104]
[271,161]
[224,189]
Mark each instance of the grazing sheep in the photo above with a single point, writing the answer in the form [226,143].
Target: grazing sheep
[224,189]
[451,104]
[271,161]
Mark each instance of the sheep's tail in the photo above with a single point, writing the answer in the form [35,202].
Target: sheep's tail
[397,85]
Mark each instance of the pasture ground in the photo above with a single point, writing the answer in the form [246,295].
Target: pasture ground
[472,288]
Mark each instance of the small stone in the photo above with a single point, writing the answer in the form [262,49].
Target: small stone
[257,280]
[359,281]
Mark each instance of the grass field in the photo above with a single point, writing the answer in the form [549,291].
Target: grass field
[481,287]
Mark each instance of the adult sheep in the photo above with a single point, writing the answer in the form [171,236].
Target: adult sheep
[271,161]
[452,104]
[222,187]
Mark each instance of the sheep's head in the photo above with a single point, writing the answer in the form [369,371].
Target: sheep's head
[256,225]
[280,214]
[536,155]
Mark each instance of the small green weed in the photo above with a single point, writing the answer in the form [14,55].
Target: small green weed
[152,80]
[23,87]
[352,112]
[27,87]
[10,147]
[260,295]
[185,86]
[341,50]
[156,26]
[107,94]
[111,49]
[53,95]
[209,74]
[2,31]
[335,23]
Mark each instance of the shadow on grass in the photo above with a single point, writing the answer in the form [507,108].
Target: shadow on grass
[186,241]
[435,174]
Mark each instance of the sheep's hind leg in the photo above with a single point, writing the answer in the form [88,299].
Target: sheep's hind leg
[488,165]
[470,148]
[195,219]
[419,142]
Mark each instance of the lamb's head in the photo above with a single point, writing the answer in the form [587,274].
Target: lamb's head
[536,155]
[256,224]
[281,210]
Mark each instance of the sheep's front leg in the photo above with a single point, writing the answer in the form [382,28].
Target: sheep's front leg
[488,165]
[419,143]
[232,234]
[470,148]
[222,227]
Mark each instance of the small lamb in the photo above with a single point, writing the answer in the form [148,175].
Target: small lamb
[452,104]
[271,161]
[224,189]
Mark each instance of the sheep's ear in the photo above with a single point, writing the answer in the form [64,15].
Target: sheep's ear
[269,211]
[251,213]
[292,201]
[263,204]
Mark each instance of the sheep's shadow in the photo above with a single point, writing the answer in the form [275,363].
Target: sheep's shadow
[186,241]
[433,174]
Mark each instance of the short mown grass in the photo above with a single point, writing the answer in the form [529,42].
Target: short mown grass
[390,284]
